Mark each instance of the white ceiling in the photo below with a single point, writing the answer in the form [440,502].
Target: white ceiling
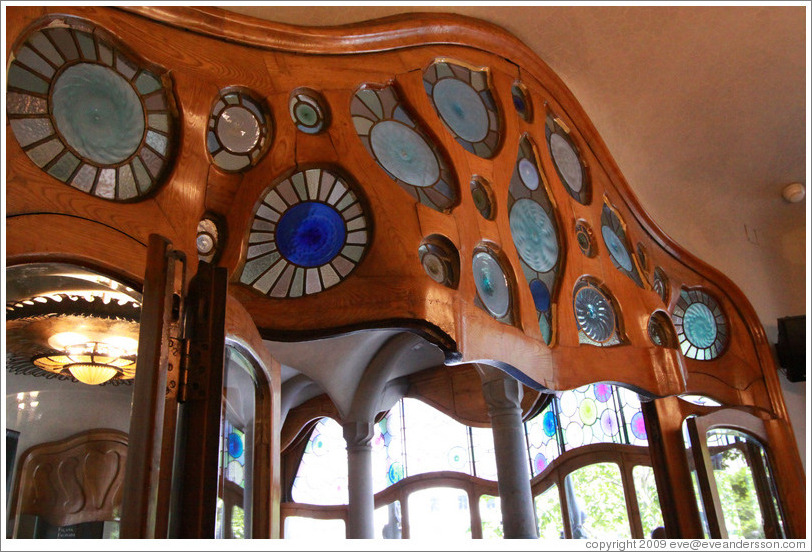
[703,108]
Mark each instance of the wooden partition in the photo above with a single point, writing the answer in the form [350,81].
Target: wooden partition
[461,191]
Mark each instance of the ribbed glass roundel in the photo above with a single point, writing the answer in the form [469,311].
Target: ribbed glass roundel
[534,235]
[700,325]
[462,109]
[404,153]
[98,113]
[567,162]
[616,248]
[310,234]
[594,314]
[491,284]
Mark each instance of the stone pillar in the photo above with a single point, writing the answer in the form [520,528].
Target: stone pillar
[503,395]
[359,465]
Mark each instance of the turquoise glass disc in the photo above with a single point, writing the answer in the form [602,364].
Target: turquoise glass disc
[310,234]
[567,162]
[491,284]
[462,109]
[594,314]
[404,153]
[616,248]
[700,325]
[534,235]
[98,113]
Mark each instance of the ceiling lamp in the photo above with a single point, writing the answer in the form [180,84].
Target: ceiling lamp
[90,362]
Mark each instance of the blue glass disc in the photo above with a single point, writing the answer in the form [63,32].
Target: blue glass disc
[528,174]
[534,235]
[462,109]
[310,234]
[404,153]
[700,325]
[550,424]
[541,295]
[235,447]
[491,284]
[616,248]
[98,113]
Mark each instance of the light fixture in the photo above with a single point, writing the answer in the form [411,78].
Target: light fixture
[794,192]
[91,362]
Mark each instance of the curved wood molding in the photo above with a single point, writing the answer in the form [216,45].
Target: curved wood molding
[74,480]
[206,49]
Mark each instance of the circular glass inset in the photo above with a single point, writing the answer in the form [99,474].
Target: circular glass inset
[616,248]
[395,472]
[521,101]
[638,424]
[568,403]
[541,295]
[404,153]
[491,284]
[205,243]
[550,424]
[457,458]
[583,234]
[310,234]
[540,462]
[588,411]
[574,435]
[603,392]
[609,423]
[461,109]
[98,113]
[235,446]
[434,267]
[567,162]
[528,173]
[534,235]
[238,129]
[594,314]
[660,284]
[307,112]
[700,325]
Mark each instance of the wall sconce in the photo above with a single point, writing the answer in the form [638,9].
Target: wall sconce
[90,362]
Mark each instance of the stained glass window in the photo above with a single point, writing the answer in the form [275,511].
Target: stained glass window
[567,160]
[617,242]
[234,450]
[88,114]
[322,476]
[522,101]
[544,440]
[632,417]
[701,325]
[589,415]
[463,100]
[595,314]
[434,441]
[308,233]
[402,148]
[238,131]
[534,231]
[388,454]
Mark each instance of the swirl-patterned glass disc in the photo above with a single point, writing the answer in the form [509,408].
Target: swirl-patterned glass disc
[617,242]
[594,314]
[661,285]
[402,148]
[87,114]
[308,234]
[238,131]
[308,111]
[700,324]
[464,103]
[534,232]
[567,161]
[534,235]
[491,284]
[483,197]
[440,260]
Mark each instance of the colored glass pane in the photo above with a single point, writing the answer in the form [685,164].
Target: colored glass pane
[434,441]
[322,475]
[701,326]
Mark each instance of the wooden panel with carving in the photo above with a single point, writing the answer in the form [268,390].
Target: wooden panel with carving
[75,480]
